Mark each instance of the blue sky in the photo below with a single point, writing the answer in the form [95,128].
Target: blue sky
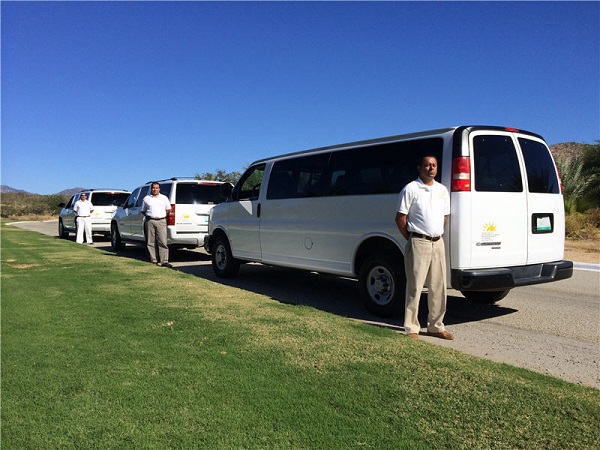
[113,94]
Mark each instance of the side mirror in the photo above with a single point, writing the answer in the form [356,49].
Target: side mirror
[61,205]
[118,202]
[226,189]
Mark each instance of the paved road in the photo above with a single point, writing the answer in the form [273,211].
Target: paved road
[550,328]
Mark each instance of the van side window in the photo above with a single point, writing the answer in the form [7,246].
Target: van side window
[380,169]
[248,187]
[541,175]
[496,164]
[298,177]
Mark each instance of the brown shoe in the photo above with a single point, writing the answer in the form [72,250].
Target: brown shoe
[413,335]
[167,264]
[442,335]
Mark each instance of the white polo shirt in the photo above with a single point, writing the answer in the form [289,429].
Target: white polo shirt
[424,207]
[83,209]
[156,207]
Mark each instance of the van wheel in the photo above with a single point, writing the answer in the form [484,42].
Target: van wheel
[115,238]
[487,297]
[61,230]
[382,285]
[223,262]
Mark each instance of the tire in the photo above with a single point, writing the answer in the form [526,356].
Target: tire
[115,238]
[487,297]
[62,233]
[223,262]
[382,285]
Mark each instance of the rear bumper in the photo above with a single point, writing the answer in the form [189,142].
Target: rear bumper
[509,277]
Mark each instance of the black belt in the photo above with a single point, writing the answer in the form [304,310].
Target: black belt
[156,218]
[83,217]
[423,236]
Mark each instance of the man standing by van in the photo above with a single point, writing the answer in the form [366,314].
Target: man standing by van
[156,207]
[423,208]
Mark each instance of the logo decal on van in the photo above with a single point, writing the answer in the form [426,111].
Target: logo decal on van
[489,236]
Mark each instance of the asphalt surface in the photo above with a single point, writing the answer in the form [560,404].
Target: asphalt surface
[549,328]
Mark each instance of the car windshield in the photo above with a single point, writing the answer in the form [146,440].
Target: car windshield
[108,198]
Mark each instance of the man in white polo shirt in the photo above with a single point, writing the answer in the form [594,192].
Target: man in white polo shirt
[84,209]
[423,208]
[156,208]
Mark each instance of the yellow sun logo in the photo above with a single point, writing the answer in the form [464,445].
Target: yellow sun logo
[488,226]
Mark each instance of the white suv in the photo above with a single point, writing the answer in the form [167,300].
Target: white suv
[105,203]
[187,225]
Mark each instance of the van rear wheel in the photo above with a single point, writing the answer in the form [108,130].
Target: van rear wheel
[223,262]
[487,297]
[382,284]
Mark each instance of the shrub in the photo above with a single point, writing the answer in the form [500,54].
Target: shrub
[583,225]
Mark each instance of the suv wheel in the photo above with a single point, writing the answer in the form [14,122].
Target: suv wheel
[223,262]
[62,233]
[115,238]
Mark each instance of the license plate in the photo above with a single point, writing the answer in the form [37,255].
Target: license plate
[542,223]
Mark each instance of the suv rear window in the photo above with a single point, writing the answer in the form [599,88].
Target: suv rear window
[108,198]
[198,194]
[496,164]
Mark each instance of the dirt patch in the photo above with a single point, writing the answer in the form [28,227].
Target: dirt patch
[583,250]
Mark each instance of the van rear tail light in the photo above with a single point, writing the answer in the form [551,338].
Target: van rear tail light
[461,174]
[171,217]
[559,181]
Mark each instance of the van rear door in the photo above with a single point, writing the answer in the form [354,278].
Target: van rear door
[498,202]
[513,214]
[545,204]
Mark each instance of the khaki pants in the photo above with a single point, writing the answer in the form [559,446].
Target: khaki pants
[425,264]
[156,233]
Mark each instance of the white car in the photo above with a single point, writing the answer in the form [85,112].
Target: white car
[105,203]
[187,225]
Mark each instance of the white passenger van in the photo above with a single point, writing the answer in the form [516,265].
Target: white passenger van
[332,210]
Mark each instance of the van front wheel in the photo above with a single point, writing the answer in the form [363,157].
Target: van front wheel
[382,284]
[223,262]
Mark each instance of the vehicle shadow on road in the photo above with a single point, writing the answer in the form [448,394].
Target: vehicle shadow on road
[338,295]
[329,293]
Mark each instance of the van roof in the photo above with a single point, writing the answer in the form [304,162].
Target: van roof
[399,137]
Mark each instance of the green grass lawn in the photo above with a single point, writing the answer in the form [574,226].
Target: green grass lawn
[105,352]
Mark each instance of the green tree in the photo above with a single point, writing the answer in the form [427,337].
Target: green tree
[591,168]
[219,175]
[577,183]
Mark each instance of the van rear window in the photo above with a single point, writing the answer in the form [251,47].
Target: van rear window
[496,164]
[198,194]
[541,174]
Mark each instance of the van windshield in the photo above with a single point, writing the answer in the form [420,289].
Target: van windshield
[198,194]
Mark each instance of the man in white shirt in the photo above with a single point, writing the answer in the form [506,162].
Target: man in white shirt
[423,208]
[83,209]
[156,208]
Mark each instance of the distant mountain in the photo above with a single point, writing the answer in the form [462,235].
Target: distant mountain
[71,192]
[4,189]
[566,150]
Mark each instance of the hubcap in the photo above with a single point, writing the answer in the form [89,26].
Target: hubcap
[380,285]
